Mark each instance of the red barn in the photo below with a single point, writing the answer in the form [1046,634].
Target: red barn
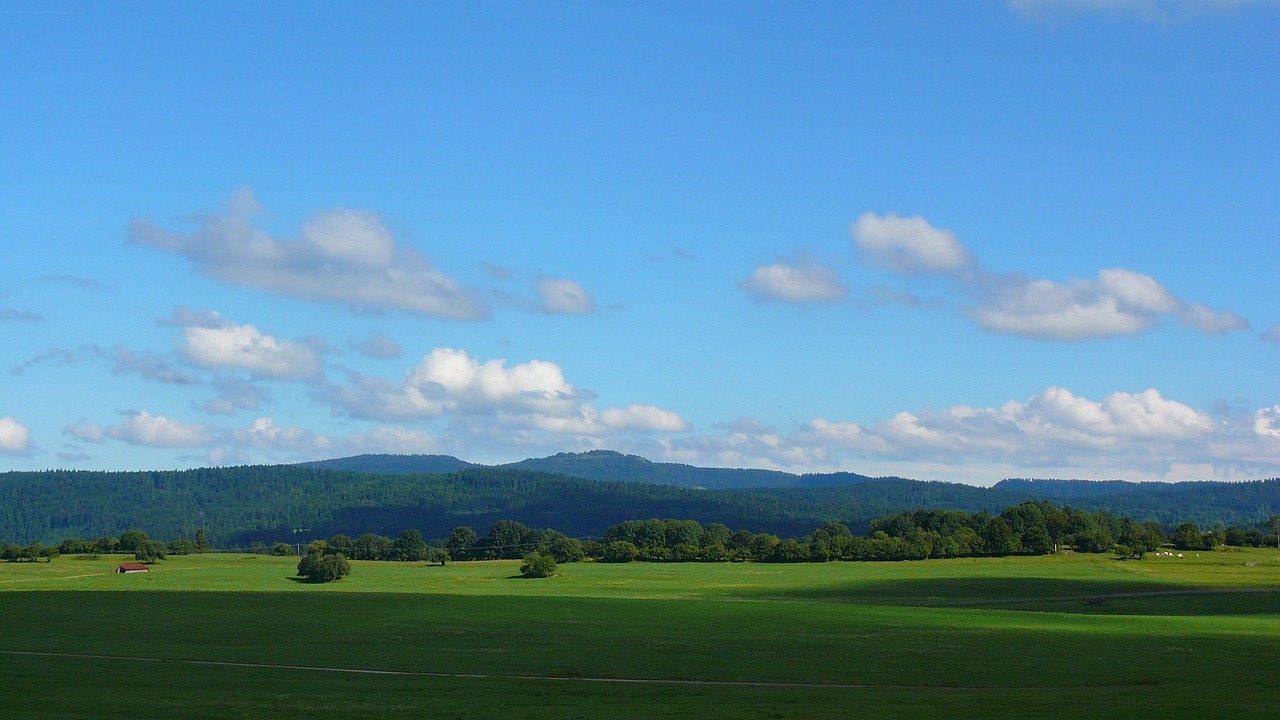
[132,568]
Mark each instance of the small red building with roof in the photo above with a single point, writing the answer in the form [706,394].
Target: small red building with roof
[132,568]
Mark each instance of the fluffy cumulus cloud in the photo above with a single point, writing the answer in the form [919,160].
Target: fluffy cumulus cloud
[533,395]
[15,438]
[209,341]
[265,435]
[806,281]
[563,297]
[909,246]
[341,255]
[1117,302]
[1139,436]
[147,430]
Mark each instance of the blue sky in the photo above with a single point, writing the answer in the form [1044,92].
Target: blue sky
[956,241]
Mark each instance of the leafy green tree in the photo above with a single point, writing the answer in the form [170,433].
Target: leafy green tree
[538,565]
[150,552]
[763,545]
[372,546]
[409,547]
[75,546]
[131,540]
[997,537]
[565,549]
[1129,552]
[789,551]
[201,542]
[181,546]
[282,549]
[1187,537]
[460,542]
[438,556]
[620,551]
[1096,540]
[319,568]
[1036,541]
[341,544]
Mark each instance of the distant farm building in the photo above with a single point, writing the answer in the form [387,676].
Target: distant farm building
[132,568]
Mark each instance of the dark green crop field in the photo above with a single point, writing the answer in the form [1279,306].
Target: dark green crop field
[233,636]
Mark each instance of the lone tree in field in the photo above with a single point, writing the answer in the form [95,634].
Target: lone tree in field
[438,556]
[319,568]
[537,565]
[150,552]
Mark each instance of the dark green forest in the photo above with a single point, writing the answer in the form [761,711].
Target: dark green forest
[241,505]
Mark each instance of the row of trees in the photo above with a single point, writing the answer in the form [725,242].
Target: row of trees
[1030,528]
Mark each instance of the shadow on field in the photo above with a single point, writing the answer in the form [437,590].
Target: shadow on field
[1106,597]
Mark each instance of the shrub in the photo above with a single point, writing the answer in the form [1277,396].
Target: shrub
[538,565]
[318,568]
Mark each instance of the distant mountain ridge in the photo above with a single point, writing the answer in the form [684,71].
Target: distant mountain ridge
[393,464]
[388,493]
[599,465]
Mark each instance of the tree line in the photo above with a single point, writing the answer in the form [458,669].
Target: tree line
[262,504]
[1028,528]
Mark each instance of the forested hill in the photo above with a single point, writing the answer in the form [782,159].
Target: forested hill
[612,466]
[288,502]
[393,464]
[1207,503]
[603,465]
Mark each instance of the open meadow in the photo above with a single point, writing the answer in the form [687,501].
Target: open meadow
[224,635]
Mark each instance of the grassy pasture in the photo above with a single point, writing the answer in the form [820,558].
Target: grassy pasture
[1073,636]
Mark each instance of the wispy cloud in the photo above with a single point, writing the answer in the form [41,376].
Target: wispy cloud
[379,347]
[563,297]
[1118,302]
[19,315]
[341,255]
[1146,10]
[800,282]
[80,282]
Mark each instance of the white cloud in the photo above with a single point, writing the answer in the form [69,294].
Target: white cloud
[379,346]
[1272,334]
[909,246]
[1055,433]
[804,282]
[15,438]
[143,428]
[532,395]
[233,394]
[342,255]
[228,345]
[86,431]
[1118,302]
[563,297]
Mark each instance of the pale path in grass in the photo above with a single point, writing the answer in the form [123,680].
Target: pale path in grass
[64,577]
[547,678]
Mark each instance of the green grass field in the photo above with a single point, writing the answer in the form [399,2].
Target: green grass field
[235,636]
